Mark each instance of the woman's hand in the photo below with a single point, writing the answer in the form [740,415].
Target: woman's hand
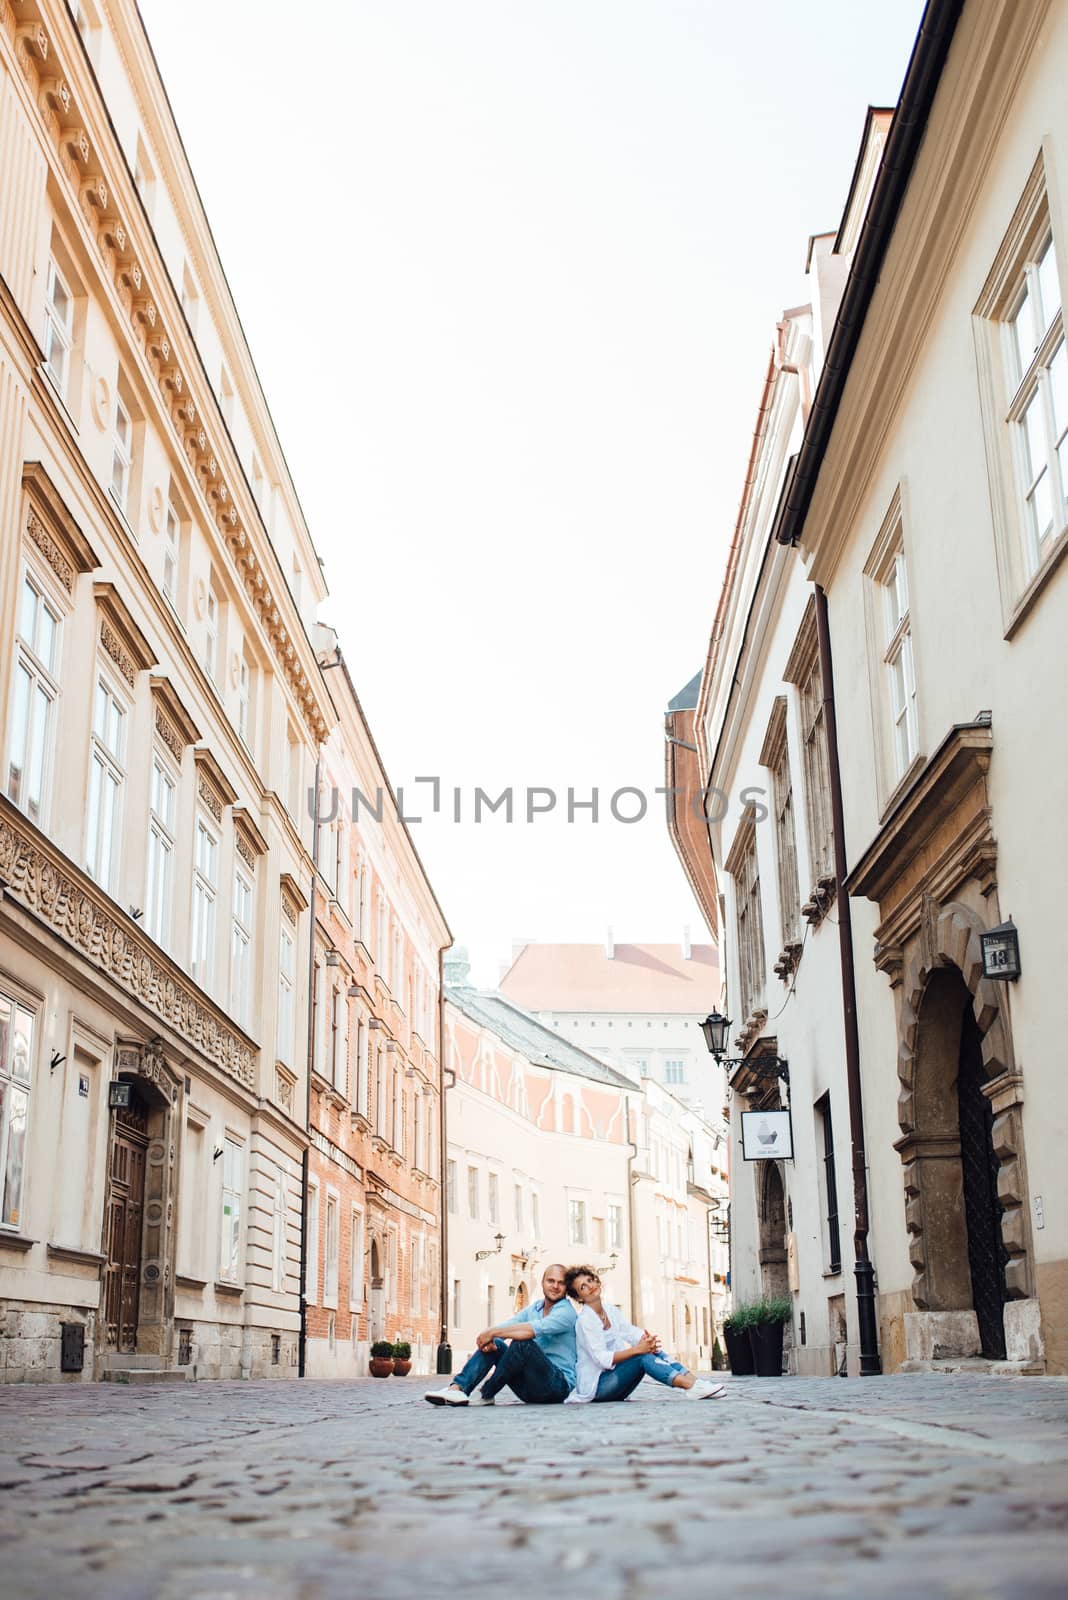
[647,1344]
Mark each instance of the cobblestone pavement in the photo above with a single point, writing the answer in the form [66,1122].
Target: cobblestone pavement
[942,1486]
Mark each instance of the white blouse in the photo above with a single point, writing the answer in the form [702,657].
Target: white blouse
[596,1345]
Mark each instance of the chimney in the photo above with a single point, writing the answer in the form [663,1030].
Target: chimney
[610,945]
[687,953]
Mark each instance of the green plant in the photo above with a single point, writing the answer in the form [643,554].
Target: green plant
[382,1348]
[719,1360]
[776,1308]
[742,1317]
[402,1350]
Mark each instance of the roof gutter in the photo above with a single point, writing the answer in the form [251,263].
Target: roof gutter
[895,169]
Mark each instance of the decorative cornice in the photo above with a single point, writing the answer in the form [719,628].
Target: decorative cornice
[173,723]
[213,786]
[44,882]
[53,530]
[157,329]
[247,837]
[120,637]
[292,891]
[958,765]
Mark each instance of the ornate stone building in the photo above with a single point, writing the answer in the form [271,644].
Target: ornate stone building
[375,1112]
[160,709]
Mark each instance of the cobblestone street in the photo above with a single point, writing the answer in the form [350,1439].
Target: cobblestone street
[287,1491]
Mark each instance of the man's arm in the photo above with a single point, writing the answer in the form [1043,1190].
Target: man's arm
[518,1327]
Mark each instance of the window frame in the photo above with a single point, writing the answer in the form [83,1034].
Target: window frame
[743,868]
[242,937]
[202,963]
[1005,392]
[17,1091]
[111,765]
[56,329]
[232,1230]
[162,844]
[42,678]
[889,639]
[122,454]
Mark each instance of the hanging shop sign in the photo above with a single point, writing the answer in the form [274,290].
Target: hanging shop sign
[767,1136]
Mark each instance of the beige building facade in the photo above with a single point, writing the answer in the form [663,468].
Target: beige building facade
[160,705]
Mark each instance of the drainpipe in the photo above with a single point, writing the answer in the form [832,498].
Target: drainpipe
[444,1359]
[632,1152]
[305,1160]
[870,1365]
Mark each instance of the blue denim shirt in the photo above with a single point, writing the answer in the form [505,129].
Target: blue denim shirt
[555,1333]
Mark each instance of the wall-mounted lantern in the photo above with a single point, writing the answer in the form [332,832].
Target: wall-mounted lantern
[480,1255]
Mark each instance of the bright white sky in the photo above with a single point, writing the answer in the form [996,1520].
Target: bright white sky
[510,272]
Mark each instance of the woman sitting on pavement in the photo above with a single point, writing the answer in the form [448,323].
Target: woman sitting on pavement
[614,1356]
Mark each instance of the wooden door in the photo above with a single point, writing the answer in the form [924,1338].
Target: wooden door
[126,1199]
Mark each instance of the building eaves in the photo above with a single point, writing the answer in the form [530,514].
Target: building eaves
[895,169]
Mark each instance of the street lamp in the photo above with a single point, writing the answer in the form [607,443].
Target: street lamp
[716,1027]
[480,1255]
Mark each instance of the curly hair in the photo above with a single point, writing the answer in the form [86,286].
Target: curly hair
[573,1273]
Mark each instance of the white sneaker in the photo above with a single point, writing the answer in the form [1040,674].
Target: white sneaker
[702,1391]
[447,1397]
[478,1399]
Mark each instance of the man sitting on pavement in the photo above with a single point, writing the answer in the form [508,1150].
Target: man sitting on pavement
[537,1362]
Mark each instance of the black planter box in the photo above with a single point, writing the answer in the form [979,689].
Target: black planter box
[766,1342]
[739,1352]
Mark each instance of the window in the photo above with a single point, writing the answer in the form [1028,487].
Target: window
[380,1092]
[493,1199]
[286,976]
[356,1261]
[472,1192]
[518,1209]
[241,949]
[205,893]
[1038,397]
[535,1215]
[330,1251]
[232,1195]
[451,1198]
[36,693]
[491,1305]
[748,918]
[457,1303]
[576,1221]
[161,822]
[674,1072]
[398,1111]
[244,701]
[418,1117]
[121,455]
[803,669]
[190,299]
[211,634]
[59,327]
[339,1041]
[899,664]
[16,1065]
[311,1288]
[278,1242]
[144,175]
[107,774]
[415,1275]
[615,1227]
[830,1185]
[362,1086]
[776,756]
[172,554]
[1023,376]
[317,1015]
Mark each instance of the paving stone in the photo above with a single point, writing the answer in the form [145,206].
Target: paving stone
[307,1491]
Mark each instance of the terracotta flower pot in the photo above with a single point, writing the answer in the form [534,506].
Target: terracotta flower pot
[401,1367]
[381,1366]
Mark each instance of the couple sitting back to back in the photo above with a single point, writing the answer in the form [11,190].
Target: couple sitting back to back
[568,1346]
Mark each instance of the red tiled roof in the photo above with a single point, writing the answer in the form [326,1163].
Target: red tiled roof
[638,977]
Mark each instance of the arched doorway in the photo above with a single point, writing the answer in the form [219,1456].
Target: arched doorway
[377,1326]
[139,1235]
[958,1173]
[774,1274]
[521,1297]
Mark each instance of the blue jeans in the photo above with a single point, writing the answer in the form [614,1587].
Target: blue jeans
[477,1365]
[530,1375]
[618,1383]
